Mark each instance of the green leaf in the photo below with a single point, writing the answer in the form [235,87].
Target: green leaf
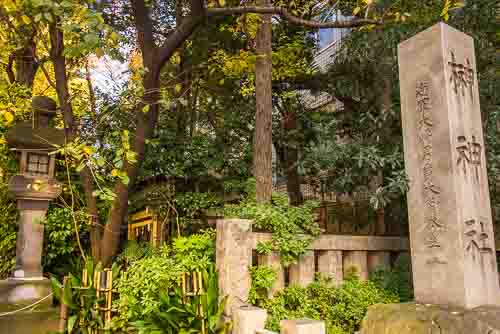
[56,287]
[67,297]
[125,180]
[72,322]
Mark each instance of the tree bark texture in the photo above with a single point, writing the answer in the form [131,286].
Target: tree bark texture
[292,159]
[262,160]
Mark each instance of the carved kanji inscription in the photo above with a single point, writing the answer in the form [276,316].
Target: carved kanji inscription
[431,191]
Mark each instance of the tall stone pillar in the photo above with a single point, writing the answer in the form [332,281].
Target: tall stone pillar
[451,232]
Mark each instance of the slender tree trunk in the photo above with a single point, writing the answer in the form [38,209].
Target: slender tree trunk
[379,180]
[262,161]
[292,157]
[59,61]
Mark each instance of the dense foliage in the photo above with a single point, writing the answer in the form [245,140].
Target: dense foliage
[342,308]
[8,228]
[81,303]
[178,314]
[151,274]
[293,228]
[397,280]
[61,239]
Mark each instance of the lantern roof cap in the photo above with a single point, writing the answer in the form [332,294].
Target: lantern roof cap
[24,136]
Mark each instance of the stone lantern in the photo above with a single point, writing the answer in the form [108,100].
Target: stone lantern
[33,188]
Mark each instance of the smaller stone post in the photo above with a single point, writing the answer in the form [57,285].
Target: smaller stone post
[303,326]
[249,319]
[302,273]
[357,260]
[330,265]
[234,257]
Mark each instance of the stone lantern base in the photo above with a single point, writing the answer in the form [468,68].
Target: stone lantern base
[15,295]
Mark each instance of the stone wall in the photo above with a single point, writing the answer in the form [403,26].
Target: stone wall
[330,255]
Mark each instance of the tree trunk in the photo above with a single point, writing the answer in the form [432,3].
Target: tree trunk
[380,227]
[262,161]
[146,123]
[63,95]
[292,157]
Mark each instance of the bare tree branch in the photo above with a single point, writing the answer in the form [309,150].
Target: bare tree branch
[291,18]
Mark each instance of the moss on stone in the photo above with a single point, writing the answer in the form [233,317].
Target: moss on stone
[429,319]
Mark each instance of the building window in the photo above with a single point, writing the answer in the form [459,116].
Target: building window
[38,163]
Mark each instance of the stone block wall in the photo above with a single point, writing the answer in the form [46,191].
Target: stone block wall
[333,256]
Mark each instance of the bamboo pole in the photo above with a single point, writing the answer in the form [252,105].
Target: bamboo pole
[63,313]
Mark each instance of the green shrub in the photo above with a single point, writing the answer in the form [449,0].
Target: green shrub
[195,252]
[263,278]
[178,314]
[60,239]
[397,280]
[293,228]
[342,308]
[134,251]
[153,273]
[82,317]
[140,285]
[8,228]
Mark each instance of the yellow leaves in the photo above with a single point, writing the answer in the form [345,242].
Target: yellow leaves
[88,150]
[145,109]
[356,11]
[115,172]
[26,19]
[8,116]
[222,3]
[2,140]
[9,5]
[449,5]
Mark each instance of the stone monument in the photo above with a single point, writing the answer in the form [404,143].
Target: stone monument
[451,230]
[33,188]
[454,264]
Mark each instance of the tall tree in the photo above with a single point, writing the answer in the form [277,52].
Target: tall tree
[263,141]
